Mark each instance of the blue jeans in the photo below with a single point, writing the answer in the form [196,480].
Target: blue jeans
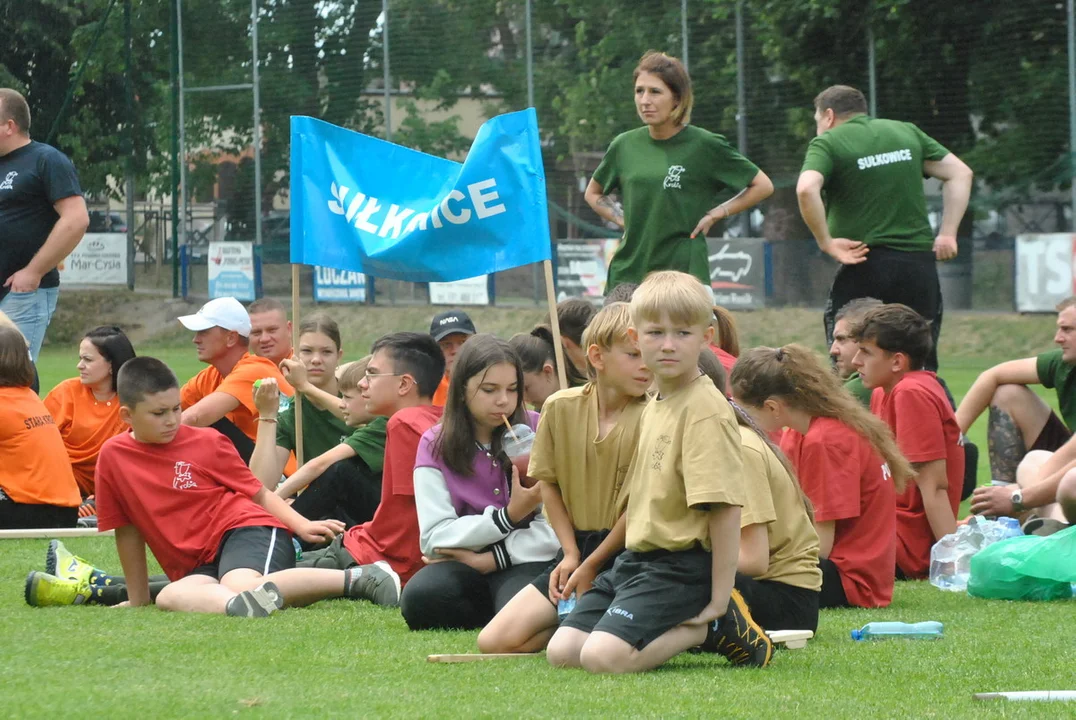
[31,311]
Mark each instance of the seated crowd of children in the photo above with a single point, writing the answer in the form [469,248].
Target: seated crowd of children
[679,494]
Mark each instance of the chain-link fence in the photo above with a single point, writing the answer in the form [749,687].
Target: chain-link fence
[990,80]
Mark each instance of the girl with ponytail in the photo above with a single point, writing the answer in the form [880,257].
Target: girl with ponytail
[848,463]
[777,568]
[726,343]
[539,361]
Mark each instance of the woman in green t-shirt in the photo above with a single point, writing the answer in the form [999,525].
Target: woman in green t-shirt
[669,175]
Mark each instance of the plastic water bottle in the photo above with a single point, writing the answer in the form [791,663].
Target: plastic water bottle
[565,607]
[1011,526]
[298,549]
[877,630]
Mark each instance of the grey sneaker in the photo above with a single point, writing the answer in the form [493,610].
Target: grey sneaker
[377,583]
[262,601]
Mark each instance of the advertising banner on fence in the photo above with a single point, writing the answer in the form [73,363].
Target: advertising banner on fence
[1044,270]
[582,268]
[100,259]
[472,291]
[231,270]
[738,272]
[338,286]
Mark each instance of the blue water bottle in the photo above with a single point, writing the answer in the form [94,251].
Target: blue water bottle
[878,630]
[565,607]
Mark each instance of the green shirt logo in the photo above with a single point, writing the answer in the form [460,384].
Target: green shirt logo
[672,178]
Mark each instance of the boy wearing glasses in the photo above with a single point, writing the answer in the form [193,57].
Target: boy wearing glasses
[400,380]
[343,482]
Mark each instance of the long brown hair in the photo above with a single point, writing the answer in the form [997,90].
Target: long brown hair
[457,441]
[727,337]
[745,420]
[796,376]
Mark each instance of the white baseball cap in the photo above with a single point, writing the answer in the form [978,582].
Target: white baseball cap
[227,313]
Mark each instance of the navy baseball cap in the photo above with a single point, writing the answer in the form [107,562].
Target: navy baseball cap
[451,321]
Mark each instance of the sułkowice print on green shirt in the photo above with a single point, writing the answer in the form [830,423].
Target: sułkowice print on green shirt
[873,188]
[666,186]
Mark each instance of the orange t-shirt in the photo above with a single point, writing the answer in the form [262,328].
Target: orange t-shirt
[239,383]
[84,424]
[35,466]
[441,394]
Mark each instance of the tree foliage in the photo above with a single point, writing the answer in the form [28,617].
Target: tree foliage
[987,79]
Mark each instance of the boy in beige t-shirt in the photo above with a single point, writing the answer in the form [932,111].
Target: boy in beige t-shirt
[672,589]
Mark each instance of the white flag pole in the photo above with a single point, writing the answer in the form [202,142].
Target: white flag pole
[554,322]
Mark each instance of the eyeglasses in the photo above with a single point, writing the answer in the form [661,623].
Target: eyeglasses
[371,375]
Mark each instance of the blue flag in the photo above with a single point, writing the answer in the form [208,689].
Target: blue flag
[362,204]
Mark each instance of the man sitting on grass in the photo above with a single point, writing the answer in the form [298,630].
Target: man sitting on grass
[222,395]
[221,537]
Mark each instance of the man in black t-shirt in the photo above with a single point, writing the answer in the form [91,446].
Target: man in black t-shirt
[42,218]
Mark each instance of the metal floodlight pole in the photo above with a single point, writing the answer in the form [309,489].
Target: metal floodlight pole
[128,102]
[257,124]
[174,69]
[181,219]
[872,77]
[536,278]
[1072,110]
[385,67]
[683,33]
[741,99]
[530,58]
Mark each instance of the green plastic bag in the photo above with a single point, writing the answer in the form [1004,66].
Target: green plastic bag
[1026,568]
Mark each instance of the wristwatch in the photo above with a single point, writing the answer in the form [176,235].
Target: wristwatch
[1018,499]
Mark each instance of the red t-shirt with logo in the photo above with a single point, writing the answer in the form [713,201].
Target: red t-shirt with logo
[392,535]
[182,495]
[925,426]
[848,484]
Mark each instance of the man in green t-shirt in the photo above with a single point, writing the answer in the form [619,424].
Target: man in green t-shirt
[844,346]
[873,219]
[1020,421]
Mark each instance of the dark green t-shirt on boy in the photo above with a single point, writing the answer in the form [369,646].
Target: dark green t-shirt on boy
[368,442]
[1055,373]
[873,188]
[322,431]
[666,186]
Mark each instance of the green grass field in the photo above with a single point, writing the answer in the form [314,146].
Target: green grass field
[347,659]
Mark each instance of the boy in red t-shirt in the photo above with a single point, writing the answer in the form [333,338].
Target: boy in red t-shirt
[221,537]
[401,378]
[894,342]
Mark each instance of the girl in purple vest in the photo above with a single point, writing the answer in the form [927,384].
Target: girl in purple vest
[481,534]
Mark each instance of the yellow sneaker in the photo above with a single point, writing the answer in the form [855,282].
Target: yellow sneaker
[60,562]
[738,637]
[43,590]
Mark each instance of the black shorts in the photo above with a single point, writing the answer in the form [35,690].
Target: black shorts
[1054,434]
[264,549]
[892,276]
[832,595]
[778,605]
[587,541]
[644,595]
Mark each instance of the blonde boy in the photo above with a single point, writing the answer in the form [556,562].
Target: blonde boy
[581,455]
[672,589]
